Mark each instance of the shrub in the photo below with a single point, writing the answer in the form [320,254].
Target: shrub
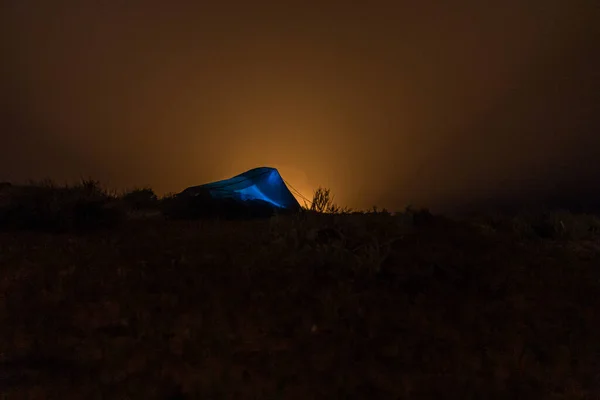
[141,199]
[323,202]
[47,207]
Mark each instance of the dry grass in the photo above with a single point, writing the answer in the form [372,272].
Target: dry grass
[318,306]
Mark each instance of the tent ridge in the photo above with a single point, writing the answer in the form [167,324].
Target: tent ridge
[259,185]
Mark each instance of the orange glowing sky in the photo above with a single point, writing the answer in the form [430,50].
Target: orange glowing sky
[385,103]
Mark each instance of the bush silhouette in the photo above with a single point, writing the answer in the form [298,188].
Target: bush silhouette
[48,207]
[322,201]
[141,199]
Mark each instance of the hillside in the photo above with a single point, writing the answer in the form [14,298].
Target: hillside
[313,306]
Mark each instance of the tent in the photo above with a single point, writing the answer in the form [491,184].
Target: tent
[259,186]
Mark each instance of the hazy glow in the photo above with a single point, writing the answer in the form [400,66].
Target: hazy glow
[385,104]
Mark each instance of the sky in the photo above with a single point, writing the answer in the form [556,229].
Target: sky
[437,104]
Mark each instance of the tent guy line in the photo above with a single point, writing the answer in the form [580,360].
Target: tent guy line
[297,192]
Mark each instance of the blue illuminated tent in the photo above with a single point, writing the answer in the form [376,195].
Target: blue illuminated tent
[257,187]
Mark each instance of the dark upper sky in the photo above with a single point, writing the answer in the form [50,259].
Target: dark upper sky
[439,103]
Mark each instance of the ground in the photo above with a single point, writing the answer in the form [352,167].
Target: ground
[324,307]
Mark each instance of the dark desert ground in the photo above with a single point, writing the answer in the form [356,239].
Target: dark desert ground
[108,297]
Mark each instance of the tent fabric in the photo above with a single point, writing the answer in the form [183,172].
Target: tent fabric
[263,184]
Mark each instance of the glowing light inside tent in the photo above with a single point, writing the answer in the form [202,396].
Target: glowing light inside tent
[254,193]
[273,178]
